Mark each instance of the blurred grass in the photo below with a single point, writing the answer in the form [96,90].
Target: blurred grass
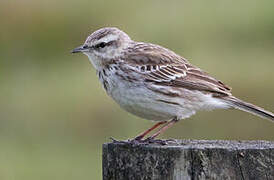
[55,115]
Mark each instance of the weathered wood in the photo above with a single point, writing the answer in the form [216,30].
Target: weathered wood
[189,159]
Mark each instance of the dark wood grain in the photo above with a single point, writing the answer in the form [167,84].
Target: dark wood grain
[189,159]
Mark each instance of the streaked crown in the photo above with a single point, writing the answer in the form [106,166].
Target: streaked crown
[107,35]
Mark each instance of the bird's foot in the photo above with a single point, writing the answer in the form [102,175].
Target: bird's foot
[150,140]
[134,141]
[118,141]
[146,141]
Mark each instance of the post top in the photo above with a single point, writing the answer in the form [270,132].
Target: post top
[204,144]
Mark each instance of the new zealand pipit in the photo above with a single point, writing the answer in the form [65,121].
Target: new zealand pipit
[154,83]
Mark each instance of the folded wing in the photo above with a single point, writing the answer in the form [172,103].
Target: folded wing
[163,67]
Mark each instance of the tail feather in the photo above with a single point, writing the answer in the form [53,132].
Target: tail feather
[248,107]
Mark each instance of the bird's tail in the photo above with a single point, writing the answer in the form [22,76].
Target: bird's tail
[248,107]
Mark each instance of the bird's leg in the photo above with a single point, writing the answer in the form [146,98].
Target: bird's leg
[164,128]
[140,136]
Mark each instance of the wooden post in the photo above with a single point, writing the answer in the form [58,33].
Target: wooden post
[189,159]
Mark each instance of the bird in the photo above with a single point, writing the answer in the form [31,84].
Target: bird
[155,83]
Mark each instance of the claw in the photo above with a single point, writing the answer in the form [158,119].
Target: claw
[150,140]
[117,141]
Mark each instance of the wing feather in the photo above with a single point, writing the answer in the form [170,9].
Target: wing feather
[163,67]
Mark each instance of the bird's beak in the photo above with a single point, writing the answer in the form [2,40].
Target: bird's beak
[78,49]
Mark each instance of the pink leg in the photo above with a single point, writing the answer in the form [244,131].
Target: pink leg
[164,128]
[140,136]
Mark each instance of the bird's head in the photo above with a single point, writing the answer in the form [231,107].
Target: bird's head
[103,45]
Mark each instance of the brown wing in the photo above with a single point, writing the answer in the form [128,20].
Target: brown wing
[163,67]
[196,79]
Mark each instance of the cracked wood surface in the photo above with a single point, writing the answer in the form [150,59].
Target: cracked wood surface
[189,159]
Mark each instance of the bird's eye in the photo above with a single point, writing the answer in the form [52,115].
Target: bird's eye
[85,46]
[101,45]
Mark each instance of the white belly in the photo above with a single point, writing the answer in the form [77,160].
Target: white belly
[148,104]
[141,103]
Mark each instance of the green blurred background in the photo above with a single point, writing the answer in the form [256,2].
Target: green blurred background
[54,114]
